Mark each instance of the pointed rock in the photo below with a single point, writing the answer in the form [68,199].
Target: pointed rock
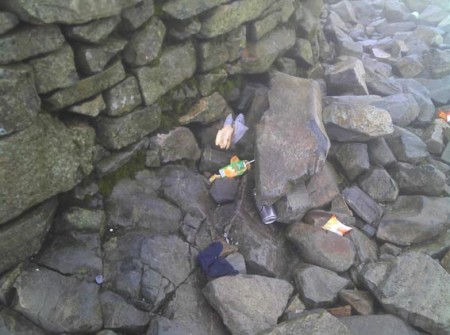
[379,185]
[348,76]
[363,205]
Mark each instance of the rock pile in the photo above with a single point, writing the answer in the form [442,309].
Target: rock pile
[108,115]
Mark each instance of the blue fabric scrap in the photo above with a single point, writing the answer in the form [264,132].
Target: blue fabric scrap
[213,265]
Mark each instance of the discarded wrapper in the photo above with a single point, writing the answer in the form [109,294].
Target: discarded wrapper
[231,132]
[444,115]
[236,168]
[337,227]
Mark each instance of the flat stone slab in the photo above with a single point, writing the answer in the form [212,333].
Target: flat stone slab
[182,10]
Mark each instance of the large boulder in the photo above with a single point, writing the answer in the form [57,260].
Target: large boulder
[12,322]
[406,146]
[414,219]
[386,324]
[64,297]
[379,185]
[293,123]
[179,143]
[248,304]
[39,162]
[403,108]
[322,248]
[70,12]
[414,287]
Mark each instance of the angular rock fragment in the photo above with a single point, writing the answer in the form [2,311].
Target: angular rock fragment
[379,185]
[123,98]
[363,205]
[94,31]
[407,147]
[179,143]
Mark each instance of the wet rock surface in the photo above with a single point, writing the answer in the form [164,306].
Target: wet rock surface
[108,119]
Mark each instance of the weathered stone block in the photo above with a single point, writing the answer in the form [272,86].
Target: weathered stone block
[123,98]
[182,10]
[7,22]
[94,31]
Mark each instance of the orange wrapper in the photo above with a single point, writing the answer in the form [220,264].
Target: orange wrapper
[337,227]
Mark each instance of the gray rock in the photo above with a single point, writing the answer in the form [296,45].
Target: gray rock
[304,130]
[419,299]
[395,27]
[319,247]
[86,88]
[380,85]
[179,143]
[294,205]
[379,185]
[446,154]
[91,107]
[294,308]
[414,219]
[433,14]
[135,16]
[7,22]
[16,246]
[118,314]
[69,13]
[269,297]
[94,31]
[224,190]
[207,110]
[79,255]
[440,63]
[380,153]
[403,108]
[188,190]
[286,65]
[259,57]
[116,160]
[91,59]
[351,49]
[422,96]
[347,76]
[264,247]
[116,133]
[257,29]
[181,11]
[407,147]
[409,66]
[237,261]
[29,42]
[19,101]
[318,287]
[433,137]
[145,44]
[182,30]
[345,10]
[302,52]
[217,51]
[385,324]
[227,17]
[374,68]
[81,220]
[395,11]
[48,143]
[356,122]
[6,284]
[323,186]
[423,179]
[123,98]
[361,301]
[56,70]
[190,311]
[209,81]
[163,326]
[213,160]
[363,205]
[64,297]
[438,89]
[156,81]
[353,157]
[312,323]
[131,204]
[366,248]
[12,322]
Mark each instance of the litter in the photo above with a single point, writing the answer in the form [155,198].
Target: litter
[266,212]
[444,115]
[236,168]
[335,226]
[231,132]
[99,279]
[213,264]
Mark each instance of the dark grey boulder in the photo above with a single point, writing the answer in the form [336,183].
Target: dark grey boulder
[380,153]
[145,44]
[135,16]
[363,205]
[179,143]
[422,96]
[163,326]
[414,219]
[29,42]
[318,287]
[406,146]
[19,100]
[420,299]
[385,324]
[269,297]
[403,108]
[55,70]
[123,98]
[314,322]
[433,136]
[224,190]
[64,297]
[423,179]
[94,31]
[323,186]
[14,323]
[361,301]
[347,76]
[322,248]
[119,315]
[207,110]
[353,157]
[379,185]
[132,204]
[189,311]
[293,205]
[7,22]
[294,118]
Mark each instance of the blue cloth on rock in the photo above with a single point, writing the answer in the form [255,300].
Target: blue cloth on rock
[213,265]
